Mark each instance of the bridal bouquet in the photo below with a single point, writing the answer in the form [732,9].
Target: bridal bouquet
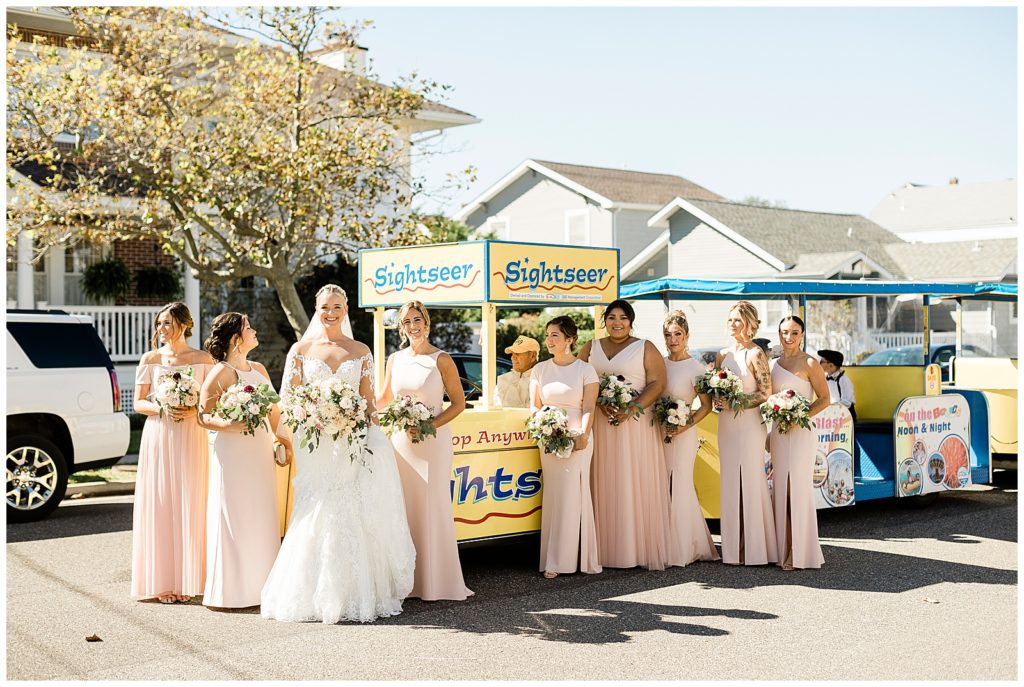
[177,389]
[405,413]
[722,384]
[246,403]
[330,406]
[786,409]
[550,428]
[615,392]
[671,413]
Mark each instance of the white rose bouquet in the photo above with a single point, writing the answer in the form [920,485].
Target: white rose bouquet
[246,403]
[724,385]
[549,427]
[330,406]
[786,409]
[405,413]
[177,389]
[671,413]
[615,392]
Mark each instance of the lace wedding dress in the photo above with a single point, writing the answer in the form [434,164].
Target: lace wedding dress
[347,554]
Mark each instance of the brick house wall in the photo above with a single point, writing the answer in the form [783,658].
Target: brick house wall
[138,253]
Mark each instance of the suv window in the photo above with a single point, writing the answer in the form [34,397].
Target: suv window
[59,344]
[474,370]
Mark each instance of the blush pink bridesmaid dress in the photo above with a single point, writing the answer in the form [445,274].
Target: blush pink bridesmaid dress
[568,538]
[689,539]
[793,453]
[243,530]
[628,477]
[169,515]
[747,521]
[425,469]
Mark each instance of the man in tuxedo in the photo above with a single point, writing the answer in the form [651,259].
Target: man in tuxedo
[840,388]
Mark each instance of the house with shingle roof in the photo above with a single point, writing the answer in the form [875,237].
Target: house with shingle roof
[977,211]
[553,202]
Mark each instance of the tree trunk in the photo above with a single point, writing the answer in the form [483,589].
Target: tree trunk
[290,302]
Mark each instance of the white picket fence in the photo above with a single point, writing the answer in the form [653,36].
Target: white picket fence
[893,339]
[124,329]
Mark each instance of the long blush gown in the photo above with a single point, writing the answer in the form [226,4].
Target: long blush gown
[688,536]
[347,554]
[568,540]
[425,469]
[748,525]
[169,515]
[796,516]
[243,531]
[629,478]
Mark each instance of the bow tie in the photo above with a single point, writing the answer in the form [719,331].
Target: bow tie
[830,378]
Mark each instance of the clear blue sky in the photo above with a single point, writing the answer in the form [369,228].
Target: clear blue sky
[824,108]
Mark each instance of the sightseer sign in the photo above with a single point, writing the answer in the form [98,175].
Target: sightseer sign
[488,271]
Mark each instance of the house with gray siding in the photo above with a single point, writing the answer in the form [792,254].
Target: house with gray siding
[554,202]
[705,239]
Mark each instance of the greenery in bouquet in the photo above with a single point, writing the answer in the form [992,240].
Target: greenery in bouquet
[671,413]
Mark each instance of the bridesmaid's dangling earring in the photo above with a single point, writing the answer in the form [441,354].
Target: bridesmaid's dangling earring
[568,349]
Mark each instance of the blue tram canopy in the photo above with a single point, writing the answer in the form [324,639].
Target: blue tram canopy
[719,289]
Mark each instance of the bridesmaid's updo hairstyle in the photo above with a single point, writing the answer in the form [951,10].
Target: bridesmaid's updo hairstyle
[677,317]
[404,310]
[223,329]
[748,313]
[792,318]
[332,289]
[568,327]
[622,305]
[179,312]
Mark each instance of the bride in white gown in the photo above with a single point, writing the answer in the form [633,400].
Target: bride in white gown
[348,554]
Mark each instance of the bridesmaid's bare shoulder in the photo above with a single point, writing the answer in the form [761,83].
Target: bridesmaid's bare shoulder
[197,356]
[150,358]
[585,351]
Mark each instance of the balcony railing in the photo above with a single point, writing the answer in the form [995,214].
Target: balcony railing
[124,329]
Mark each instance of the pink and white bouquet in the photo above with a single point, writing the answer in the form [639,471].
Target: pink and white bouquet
[178,389]
[549,427]
[247,403]
[616,393]
[724,385]
[330,406]
[671,413]
[405,413]
[786,409]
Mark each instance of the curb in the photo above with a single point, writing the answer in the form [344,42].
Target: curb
[86,489]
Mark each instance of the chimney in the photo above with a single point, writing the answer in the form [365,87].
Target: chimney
[953,181]
[343,57]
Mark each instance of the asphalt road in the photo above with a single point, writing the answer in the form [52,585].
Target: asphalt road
[905,594]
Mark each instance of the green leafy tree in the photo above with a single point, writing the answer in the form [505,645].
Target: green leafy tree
[241,157]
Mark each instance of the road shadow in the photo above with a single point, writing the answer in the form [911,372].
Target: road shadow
[578,609]
[81,517]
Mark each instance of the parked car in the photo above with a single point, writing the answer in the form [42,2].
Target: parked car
[940,354]
[63,409]
[471,372]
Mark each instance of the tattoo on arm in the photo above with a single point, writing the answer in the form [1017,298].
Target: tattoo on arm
[763,376]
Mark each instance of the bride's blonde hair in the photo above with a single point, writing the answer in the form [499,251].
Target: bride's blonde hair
[332,289]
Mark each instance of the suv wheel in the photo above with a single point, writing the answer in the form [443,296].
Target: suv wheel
[37,477]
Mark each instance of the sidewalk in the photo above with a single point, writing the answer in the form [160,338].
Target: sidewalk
[126,468]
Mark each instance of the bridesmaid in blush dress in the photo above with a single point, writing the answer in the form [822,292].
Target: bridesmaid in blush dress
[568,540]
[425,372]
[243,532]
[689,539]
[748,525]
[793,452]
[629,478]
[169,515]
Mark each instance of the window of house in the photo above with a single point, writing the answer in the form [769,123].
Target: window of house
[577,227]
[83,254]
[500,227]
